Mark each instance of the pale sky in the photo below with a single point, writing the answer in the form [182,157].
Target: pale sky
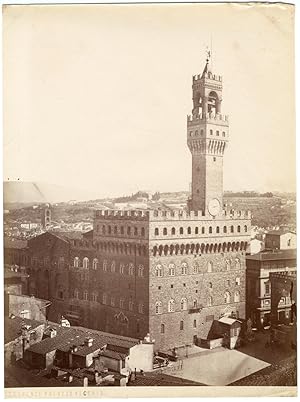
[96,97]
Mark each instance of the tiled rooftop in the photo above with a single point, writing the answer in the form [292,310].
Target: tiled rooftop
[76,336]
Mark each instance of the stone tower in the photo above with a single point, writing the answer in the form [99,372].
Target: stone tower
[207,136]
[46,216]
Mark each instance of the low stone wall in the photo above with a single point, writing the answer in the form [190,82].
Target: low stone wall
[211,343]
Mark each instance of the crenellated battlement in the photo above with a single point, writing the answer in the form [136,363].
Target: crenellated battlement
[207,75]
[119,214]
[207,118]
[161,215]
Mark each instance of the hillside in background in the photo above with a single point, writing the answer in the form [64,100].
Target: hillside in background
[267,209]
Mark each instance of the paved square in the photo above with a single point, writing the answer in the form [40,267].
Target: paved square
[220,367]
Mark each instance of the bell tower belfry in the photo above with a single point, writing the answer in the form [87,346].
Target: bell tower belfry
[207,136]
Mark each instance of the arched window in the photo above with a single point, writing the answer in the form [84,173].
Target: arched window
[210,229]
[195,303]
[94,296]
[203,230]
[76,262]
[116,230]
[158,270]
[184,267]
[109,229]
[227,297]
[171,269]
[141,308]
[227,265]
[225,229]
[189,230]
[156,232]
[165,231]
[217,229]
[196,230]
[135,231]
[183,304]
[196,268]
[122,268]
[210,285]
[196,132]
[95,263]
[236,296]
[76,294]
[104,298]
[122,230]
[113,266]
[181,325]
[209,301]
[231,229]
[85,263]
[104,265]
[201,131]
[131,305]
[180,230]
[158,307]
[61,262]
[171,306]
[237,263]
[173,231]
[239,229]
[85,295]
[122,302]
[143,232]
[245,228]
[103,229]
[162,328]
[237,281]
[209,266]
[112,301]
[131,269]
[141,270]
[128,230]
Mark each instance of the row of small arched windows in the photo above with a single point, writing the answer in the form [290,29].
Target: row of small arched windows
[197,230]
[183,306]
[196,133]
[122,230]
[110,300]
[85,263]
[109,266]
[183,269]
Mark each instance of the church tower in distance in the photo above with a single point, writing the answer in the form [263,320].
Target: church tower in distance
[207,136]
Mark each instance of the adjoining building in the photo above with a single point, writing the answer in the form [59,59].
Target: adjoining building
[259,288]
[19,335]
[281,240]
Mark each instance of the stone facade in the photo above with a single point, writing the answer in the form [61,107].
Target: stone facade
[167,273]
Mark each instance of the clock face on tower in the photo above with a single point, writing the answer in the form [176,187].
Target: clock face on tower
[214,206]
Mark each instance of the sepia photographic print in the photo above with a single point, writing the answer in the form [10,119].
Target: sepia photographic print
[149,200]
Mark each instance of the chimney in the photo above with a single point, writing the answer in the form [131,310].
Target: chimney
[53,333]
[88,342]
